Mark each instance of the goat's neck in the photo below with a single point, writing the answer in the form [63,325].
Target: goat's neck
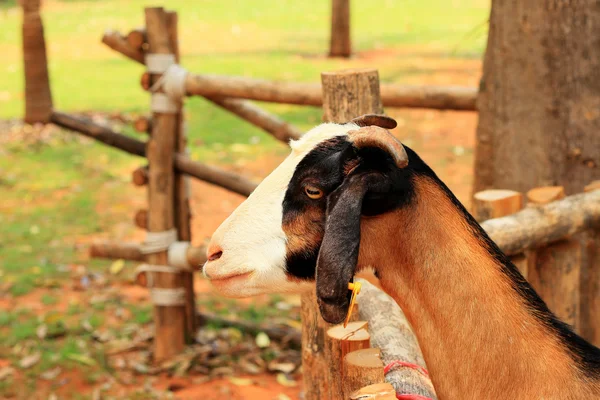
[478,338]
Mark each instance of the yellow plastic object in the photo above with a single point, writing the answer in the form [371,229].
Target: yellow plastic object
[355,287]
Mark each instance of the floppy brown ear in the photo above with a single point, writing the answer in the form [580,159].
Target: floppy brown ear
[382,121]
[374,136]
[338,254]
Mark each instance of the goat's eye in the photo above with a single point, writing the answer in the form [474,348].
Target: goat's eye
[313,192]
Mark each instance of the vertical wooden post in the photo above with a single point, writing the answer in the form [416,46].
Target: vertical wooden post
[346,95]
[182,191]
[496,203]
[554,270]
[340,341]
[590,282]
[38,98]
[340,43]
[169,320]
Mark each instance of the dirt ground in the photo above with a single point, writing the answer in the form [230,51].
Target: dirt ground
[445,140]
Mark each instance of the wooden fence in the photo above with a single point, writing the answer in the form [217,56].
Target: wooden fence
[375,348]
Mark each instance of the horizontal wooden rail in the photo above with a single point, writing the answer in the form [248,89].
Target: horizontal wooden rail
[196,256]
[219,86]
[539,225]
[392,95]
[244,109]
[225,179]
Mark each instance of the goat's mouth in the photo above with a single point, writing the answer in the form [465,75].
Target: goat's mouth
[227,279]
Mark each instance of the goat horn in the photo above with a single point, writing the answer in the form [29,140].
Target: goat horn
[374,136]
[382,121]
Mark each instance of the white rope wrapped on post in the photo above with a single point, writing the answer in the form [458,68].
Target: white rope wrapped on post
[169,90]
[158,241]
[161,296]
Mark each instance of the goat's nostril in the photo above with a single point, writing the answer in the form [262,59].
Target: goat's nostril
[215,256]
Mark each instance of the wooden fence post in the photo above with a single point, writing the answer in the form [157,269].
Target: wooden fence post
[182,192]
[38,98]
[346,95]
[496,203]
[554,270]
[169,312]
[340,43]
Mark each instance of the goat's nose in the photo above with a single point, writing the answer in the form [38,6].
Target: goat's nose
[214,254]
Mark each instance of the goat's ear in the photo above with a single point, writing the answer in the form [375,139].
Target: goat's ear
[374,136]
[338,255]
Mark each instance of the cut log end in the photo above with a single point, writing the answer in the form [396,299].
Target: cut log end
[595,185]
[545,195]
[141,219]
[137,39]
[378,391]
[495,203]
[139,176]
[361,368]
[143,125]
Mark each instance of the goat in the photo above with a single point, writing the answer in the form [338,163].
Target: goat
[351,197]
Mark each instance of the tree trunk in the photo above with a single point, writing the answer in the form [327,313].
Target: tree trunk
[539,100]
[340,44]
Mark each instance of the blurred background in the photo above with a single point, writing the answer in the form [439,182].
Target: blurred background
[78,328]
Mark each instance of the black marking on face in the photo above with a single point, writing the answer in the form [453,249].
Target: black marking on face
[326,167]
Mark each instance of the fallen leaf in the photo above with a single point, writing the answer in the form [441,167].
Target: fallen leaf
[51,373]
[82,359]
[282,396]
[286,368]
[116,267]
[240,381]
[85,324]
[262,340]
[42,331]
[30,361]
[52,397]
[6,372]
[283,380]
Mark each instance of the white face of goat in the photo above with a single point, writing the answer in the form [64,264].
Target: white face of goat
[303,221]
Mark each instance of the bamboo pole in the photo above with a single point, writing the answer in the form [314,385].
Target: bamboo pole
[216,176]
[38,97]
[196,256]
[339,90]
[340,341]
[340,42]
[169,320]
[554,269]
[361,368]
[495,203]
[537,226]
